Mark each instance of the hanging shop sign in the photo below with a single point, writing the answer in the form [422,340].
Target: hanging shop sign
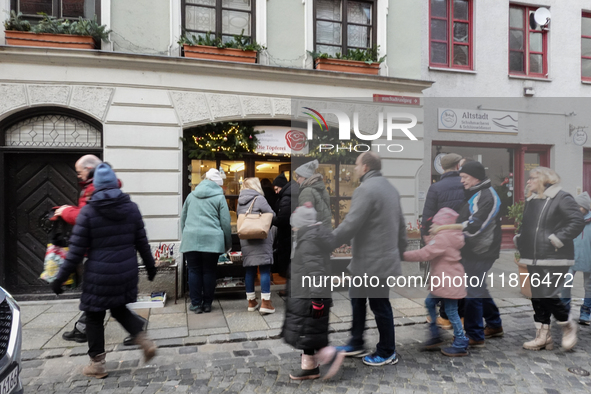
[477,121]
[281,140]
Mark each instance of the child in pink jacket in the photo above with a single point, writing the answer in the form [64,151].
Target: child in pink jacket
[447,278]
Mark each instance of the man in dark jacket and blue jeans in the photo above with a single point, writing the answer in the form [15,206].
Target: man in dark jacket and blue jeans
[482,232]
[110,230]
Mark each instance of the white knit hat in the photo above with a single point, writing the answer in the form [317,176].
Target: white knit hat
[308,169]
[214,175]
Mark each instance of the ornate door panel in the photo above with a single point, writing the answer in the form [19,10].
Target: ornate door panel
[35,182]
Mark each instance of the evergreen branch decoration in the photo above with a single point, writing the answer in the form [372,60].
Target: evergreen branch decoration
[230,138]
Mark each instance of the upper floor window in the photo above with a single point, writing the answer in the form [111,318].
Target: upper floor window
[224,18]
[450,33]
[586,46]
[340,25]
[528,46]
[68,9]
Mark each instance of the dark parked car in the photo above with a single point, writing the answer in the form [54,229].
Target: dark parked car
[11,335]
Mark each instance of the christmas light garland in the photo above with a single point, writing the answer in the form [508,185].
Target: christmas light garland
[230,138]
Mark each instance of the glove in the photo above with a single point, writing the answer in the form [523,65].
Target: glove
[317,309]
[152,273]
[56,286]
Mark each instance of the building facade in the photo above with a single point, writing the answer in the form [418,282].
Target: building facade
[131,102]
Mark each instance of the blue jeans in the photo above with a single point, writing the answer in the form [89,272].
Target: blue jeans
[479,303]
[251,274]
[382,310]
[586,285]
[202,268]
[451,308]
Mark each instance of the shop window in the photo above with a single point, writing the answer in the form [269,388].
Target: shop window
[586,46]
[224,18]
[528,43]
[340,25]
[450,33]
[68,9]
[341,182]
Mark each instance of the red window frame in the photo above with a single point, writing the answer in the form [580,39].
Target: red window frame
[585,15]
[526,45]
[449,41]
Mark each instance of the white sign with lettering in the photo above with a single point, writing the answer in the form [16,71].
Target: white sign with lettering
[281,140]
[477,121]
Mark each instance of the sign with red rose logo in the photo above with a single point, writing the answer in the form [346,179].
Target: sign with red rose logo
[281,140]
[296,140]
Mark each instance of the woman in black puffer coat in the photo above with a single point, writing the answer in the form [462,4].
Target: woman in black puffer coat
[551,220]
[286,193]
[308,306]
[110,231]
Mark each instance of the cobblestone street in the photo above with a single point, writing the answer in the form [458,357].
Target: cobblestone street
[263,366]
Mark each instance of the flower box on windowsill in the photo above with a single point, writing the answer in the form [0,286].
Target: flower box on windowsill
[348,66]
[25,38]
[224,54]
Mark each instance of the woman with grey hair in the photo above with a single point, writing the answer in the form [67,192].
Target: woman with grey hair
[256,253]
[551,220]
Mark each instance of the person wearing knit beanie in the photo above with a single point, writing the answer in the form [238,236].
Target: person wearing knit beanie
[105,178]
[584,201]
[280,181]
[303,216]
[307,170]
[474,169]
[214,175]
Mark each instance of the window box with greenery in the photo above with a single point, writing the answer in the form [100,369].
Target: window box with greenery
[358,61]
[207,46]
[55,33]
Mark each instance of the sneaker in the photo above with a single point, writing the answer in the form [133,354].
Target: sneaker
[433,343]
[490,332]
[75,336]
[305,374]
[196,308]
[266,307]
[252,305]
[475,344]
[585,317]
[351,351]
[374,360]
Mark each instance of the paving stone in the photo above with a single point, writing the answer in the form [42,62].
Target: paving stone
[188,349]
[172,342]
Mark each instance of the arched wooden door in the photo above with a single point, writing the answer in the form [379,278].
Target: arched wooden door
[38,153]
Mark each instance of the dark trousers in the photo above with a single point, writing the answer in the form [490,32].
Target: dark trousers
[546,299]
[478,302]
[95,327]
[382,310]
[202,268]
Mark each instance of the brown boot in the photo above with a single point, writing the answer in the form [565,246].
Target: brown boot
[96,368]
[266,307]
[490,332]
[252,305]
[147,345]
[543,339]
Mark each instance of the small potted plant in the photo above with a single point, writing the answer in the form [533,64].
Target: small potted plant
[56,33]
[208,46]
[358,61]
[515,212]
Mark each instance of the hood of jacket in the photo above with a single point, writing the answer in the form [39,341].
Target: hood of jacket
[207,189]
[316,181]
[111,203]
[247,195]
[317,233]
[445,216]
